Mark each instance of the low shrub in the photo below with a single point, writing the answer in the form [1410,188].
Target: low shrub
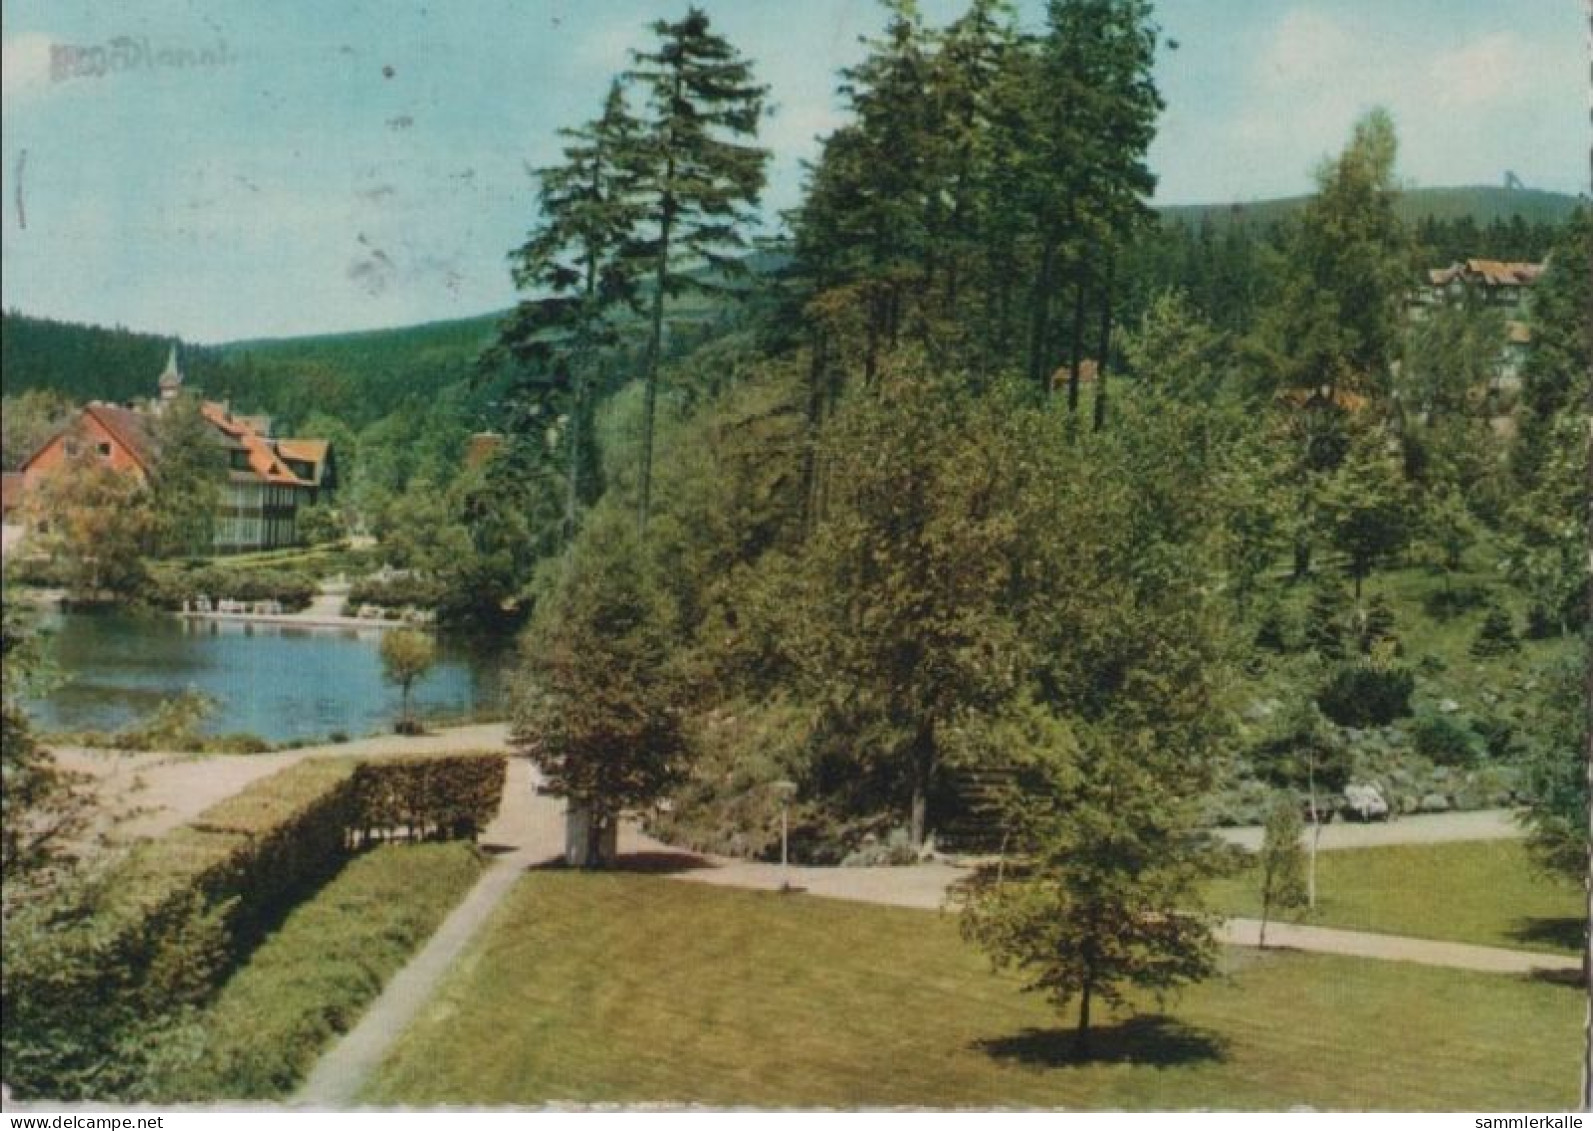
[396,592]
[444,796]
[1447,739]
[1366,694]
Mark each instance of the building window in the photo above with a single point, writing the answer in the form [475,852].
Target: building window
[104,448]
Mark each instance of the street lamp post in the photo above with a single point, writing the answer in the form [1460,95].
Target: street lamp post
[784,790]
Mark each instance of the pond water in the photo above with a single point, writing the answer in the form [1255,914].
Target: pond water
[280,682]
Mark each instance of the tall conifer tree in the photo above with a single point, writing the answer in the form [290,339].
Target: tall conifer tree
[697,178]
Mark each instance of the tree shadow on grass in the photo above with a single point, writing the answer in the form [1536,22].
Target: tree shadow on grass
[1572,979]
[639,863]
[661,863]
[1159,1041]
[1568,932]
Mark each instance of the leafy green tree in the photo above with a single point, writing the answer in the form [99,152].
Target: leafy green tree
[1367,508]
[187,480]
[1281,866]
[1446,531]
[595,707]
[894,606]
[95,524]
[1103,892]
[28,421]
[695,179]
[1338,324]
[407,654]
[43,807]
[1558,773]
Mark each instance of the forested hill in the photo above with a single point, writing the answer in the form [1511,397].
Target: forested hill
[89,362]
[360,377]
[1483,204]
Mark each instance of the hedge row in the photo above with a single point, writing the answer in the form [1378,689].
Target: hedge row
[169,588]
[444,796]
[99,980]
[315,975]
[396,592]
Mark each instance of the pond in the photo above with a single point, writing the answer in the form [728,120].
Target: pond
[280,682]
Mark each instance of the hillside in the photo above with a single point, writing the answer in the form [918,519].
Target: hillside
[1482,203]
[361,376]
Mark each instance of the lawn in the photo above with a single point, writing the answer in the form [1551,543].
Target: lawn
[313,977]
[1486,892]
[633,988]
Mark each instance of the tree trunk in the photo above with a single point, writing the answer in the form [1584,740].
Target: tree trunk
[923,779]
[655,346]
[1040,317]
[1081,1036]
[1104,343]
[1076,348]
[572,493]
[1316,837]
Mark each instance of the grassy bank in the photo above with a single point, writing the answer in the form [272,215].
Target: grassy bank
[310,981]
[634,988]
[1486,892]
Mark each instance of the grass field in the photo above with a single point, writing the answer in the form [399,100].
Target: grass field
[629,988]
[311,980]
[1486,892]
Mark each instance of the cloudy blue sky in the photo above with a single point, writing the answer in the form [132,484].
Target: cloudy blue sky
[302,166]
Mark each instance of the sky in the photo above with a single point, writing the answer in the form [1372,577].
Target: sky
[252,170]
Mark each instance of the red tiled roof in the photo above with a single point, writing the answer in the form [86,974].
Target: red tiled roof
[263,461]
[128,428]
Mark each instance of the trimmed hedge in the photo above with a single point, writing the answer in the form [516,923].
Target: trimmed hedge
[438,796]
[312,979]
[105,978]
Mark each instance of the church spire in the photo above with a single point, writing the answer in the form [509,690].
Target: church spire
[171,378]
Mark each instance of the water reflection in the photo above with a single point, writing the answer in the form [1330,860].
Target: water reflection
[277,681]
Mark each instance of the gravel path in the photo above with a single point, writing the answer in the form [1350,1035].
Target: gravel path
[1425,828]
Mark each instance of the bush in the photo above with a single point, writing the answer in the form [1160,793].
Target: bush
[1449,740]
[445,796]
[310,981]
[1366,695]
[93,981]
[1497,635]
[1445,604]
[396,592]
[169,588]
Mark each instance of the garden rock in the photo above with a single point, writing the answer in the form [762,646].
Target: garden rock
[1435,803]
[1365,803]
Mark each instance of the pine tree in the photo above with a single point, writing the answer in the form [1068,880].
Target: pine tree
[696,179]
[572,263]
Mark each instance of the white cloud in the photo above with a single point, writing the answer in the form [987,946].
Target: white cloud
[24,65]
[1464,112]
[1497,69]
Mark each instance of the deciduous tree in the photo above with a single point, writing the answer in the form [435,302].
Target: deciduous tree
[407,655]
